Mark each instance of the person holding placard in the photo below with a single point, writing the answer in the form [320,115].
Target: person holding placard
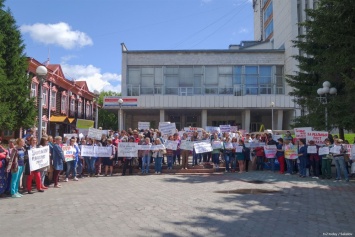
[216,151]
[71,164]
[338,151]
[289,162]
[314,159]
[146,154]
[169,154]
[302,156]
[326,160]
[280,155]
[108,161]
[43,171]
[233,158]
[90,160]
[185,153]
[128,161]
[57,160]
[227,152]
[260,156]
[158,155]
[239,151]
[271,142]
[176,153]
[35,173]
[195,156]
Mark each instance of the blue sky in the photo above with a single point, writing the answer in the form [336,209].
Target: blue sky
[84,36]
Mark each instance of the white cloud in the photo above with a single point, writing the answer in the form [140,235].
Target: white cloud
[58,34]
[243,30]
[94,78]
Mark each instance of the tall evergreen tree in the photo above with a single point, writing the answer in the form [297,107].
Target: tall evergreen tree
[17,108]
[327,54]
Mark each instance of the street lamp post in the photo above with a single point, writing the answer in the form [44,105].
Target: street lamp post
[120,101]
[323,98]
[41,72]
[97,94]
[272,105]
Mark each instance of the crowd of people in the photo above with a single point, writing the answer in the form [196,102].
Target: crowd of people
[15,170]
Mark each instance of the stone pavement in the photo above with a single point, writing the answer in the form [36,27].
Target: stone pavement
[184,205]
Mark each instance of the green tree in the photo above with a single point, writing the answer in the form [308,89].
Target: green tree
[17,109]
[107,119]
[327,54]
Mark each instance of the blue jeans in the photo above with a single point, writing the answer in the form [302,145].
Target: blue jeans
[303,165]
[195,157]
[15,180]
[340,165]
[227,158]
[215,158]
[158,162]
[145,164]
[90,162]
[233,162]
[79,166]
[170,161]
[71,168]
[272,162]
[289,164]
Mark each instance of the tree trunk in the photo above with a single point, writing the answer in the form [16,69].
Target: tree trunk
[341,133]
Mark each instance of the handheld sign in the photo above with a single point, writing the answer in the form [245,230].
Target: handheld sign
[38,158]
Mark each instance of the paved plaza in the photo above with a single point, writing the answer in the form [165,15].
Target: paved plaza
[185,205]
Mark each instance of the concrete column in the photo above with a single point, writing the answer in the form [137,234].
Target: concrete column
[162,115]
[246,120]
[121,120]
[204,118]
[280,114]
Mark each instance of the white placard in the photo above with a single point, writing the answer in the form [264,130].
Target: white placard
[143,125]
[127,149]
[225,128]
[270,151]
[96,151]
[323,151]
[217,144]
[95,133]
[312,149]
[171,145]
[167,129]
[212,129]
[234,128]
[301,132]
[144,147]
[68,153]
[70,135]
[335,149]
[228,145]
[238,149]
[317,136]
[38,158]
[191,130]
[202,147]
[186,145]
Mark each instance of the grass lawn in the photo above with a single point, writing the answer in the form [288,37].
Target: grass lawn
[348,136]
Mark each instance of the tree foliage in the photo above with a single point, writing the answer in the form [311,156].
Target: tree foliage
[17,109]
[327,54]
[107,119]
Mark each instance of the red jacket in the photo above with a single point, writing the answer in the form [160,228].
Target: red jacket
[259,151]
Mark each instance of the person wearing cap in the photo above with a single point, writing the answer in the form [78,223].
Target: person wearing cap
[338,153]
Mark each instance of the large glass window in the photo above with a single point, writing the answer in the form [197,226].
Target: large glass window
[251,80]
[53,100]
[269,29]
[64,104]
[33,89]
[268,12]
[211,75]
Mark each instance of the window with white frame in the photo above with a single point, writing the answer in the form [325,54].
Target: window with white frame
[53,100]
[33,89]
[88,110]
[72,105]
[79,108]
[45,97]
[63,106]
